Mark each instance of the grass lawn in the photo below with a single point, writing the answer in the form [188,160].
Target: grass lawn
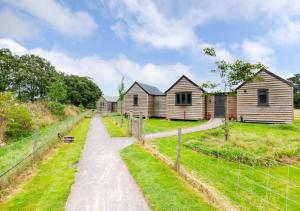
[18,149]
[151,125]
[50,187]
[250,187]
[163,189]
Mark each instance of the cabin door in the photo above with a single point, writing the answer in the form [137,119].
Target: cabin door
[220,106]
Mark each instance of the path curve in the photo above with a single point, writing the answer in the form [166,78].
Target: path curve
[212,123]
[103,181]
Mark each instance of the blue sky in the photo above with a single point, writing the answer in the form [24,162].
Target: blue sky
[153,41]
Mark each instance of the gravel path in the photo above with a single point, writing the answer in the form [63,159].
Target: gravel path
[213,123]
[103,181]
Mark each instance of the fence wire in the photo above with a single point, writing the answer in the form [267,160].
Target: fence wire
[248,187]
[18,155]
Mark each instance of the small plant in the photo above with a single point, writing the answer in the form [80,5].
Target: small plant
[81,107]
[19,122]
[56,108]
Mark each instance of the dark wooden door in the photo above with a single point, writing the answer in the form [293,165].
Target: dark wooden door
[220,105]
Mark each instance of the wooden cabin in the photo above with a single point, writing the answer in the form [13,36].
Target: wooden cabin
[107,104]
[215,106]
[145,99]
[185,100]
[269,99]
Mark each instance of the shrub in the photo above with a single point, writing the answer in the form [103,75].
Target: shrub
[81,107]
[19,122]
[56,108]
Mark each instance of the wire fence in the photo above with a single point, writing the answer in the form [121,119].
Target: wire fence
[17,156]
[246,187]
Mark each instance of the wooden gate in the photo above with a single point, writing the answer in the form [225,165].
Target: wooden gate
[136,126]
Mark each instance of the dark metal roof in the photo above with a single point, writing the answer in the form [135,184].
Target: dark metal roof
[270,73]
[150,90]
[110,98]
[192,82]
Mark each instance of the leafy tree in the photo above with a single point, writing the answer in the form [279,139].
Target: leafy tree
[232,74]
[296,80]
[33,77]
[57,91]
[8,64]
[82,90]
[121,91]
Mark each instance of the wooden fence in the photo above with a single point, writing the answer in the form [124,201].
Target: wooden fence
[136,126]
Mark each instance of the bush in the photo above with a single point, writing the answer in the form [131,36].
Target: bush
[19,122]
[81,107]
[56,108]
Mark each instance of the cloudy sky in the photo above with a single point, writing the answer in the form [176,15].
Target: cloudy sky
[152,41]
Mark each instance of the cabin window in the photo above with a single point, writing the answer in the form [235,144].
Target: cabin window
[183,98]
[135,100]
[263,97]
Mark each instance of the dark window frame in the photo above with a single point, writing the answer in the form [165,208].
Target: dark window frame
[182,98]
[259,93]
[135,100]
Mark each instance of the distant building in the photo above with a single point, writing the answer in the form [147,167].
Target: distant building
[268,100]
[107,104]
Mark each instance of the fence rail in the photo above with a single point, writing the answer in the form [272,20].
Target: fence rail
[17,156]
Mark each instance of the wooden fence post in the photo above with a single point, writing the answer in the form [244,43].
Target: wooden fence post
[35,143]
[141,127]
[130,122]
[177,164]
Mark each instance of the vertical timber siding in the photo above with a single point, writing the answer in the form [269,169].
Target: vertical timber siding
[280,107]
[191,112]
[142,101]
[159,106]
[232,107]
[210,107]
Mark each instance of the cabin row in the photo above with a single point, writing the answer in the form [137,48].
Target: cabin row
[269,100]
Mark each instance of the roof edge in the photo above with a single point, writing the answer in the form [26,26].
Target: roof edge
[184,76]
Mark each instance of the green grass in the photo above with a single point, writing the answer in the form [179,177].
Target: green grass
[112,124]
[18,149]
[151,125]
[250,187]
[161,186]
[50,187]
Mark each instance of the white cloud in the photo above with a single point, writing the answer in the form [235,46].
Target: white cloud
[256,51]
[107,73]
[60,18]
[15,26]
[147,25]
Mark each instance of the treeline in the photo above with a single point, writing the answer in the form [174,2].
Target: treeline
[296,80]
[33,78]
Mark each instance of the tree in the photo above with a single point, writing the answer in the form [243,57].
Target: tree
[57,91]
[81,90]
[296,80]
[8,64]
[232,74]
[32,78]
[121,97]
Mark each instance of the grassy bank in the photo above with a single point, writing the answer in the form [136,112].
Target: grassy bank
[161,186]
[250,187]
[50,187]
[17,150]
[151,125]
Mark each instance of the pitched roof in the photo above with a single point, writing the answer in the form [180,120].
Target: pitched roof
[270,73]
[192,82]
[150,90]
[110,98]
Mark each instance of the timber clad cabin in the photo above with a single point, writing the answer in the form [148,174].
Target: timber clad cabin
[107,104]
[268,100]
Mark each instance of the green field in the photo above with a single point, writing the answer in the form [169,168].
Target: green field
[49,188]
[249,186]
[163,189]
[18,149]
[151,125]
